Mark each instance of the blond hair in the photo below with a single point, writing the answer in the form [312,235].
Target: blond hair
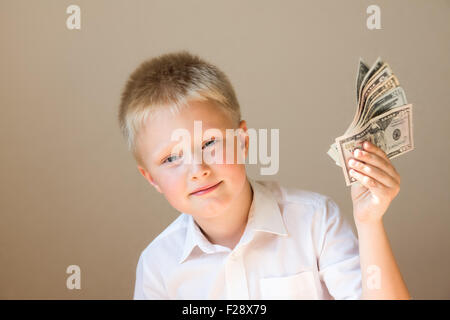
[169,81]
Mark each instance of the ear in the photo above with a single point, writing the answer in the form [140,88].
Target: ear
[243,137]
[148,177]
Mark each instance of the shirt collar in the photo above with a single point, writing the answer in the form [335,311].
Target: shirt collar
[264,215]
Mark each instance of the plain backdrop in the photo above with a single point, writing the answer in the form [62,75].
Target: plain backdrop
[71,193]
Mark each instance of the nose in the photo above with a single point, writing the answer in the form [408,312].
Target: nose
[199,171]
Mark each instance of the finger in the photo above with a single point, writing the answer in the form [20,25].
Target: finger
[368,182]
[373,172]
[369,146]
[377,161]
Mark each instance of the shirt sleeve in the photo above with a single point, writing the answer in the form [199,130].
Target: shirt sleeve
[339,263]
[148,285]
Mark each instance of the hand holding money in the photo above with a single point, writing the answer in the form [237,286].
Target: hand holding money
[382,117]
[373,169]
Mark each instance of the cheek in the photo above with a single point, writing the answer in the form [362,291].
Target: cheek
[170,182]
[174,191]
[233,173]
[233,151]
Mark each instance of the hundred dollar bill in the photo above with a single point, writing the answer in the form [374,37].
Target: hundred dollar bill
[391,131]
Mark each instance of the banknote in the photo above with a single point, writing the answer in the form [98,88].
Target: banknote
[392,98]
[391,131]
[378,94]
[376,66]
[378,84]
[362,71]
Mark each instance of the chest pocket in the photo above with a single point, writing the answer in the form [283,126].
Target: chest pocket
[298,286]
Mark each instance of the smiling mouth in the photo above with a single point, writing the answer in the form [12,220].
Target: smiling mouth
[206,190]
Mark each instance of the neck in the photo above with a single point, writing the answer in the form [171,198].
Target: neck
[227,229]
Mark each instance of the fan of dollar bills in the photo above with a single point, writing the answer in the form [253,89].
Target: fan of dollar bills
[382,117]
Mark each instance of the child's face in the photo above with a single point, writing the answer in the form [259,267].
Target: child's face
[176,178]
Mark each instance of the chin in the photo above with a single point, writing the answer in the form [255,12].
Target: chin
[213,208]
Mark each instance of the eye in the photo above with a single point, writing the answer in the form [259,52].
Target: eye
[171,159]
[210,142]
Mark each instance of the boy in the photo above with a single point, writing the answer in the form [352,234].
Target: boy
[237,238]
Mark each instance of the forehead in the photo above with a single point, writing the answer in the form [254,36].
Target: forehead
[157,132]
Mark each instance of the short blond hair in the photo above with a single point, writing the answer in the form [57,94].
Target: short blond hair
[169,81]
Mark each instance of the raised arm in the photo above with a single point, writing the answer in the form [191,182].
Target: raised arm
[379,184]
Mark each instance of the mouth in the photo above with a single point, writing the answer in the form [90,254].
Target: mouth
[205,190]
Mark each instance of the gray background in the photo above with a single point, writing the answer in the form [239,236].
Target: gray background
[71,193]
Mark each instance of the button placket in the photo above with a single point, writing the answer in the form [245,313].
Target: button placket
[235,277]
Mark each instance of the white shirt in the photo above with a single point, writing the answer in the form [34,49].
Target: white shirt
[296,245]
